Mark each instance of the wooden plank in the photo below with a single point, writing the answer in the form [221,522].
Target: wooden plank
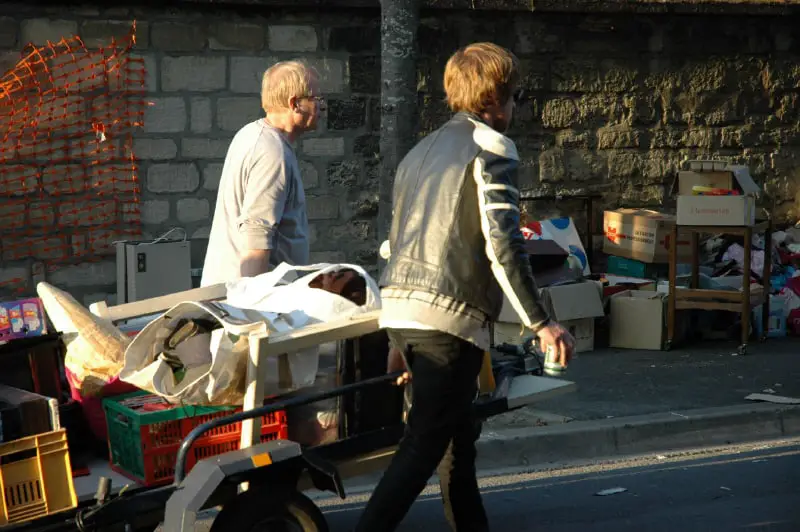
[158,304]
[321,333]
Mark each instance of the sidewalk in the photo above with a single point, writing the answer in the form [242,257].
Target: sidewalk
[685,397]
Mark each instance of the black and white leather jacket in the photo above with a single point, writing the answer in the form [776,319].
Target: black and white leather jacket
[455,228]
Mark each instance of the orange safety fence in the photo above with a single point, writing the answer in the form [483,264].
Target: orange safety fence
[68,174]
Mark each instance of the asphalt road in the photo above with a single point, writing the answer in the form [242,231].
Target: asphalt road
[747,488]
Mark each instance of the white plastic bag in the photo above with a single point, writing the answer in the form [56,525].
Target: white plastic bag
[215,364]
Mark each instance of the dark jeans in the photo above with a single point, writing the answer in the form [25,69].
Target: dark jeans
[441,431]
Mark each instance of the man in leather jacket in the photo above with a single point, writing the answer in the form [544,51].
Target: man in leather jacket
[455,248]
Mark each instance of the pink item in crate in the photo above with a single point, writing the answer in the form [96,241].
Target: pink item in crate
[93,406]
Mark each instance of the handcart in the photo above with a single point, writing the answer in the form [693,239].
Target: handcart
[261,486]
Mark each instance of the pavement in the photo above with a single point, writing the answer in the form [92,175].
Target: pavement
[631,401]
[745,487]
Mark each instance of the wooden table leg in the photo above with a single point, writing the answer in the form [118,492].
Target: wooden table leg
[694,242]
[766,278]
[673,274]
[746,309]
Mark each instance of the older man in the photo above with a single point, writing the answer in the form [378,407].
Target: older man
[455,249]
[260,216]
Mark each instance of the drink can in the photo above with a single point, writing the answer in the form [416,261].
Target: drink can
[552,366]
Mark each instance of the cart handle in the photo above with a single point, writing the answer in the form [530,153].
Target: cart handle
[301,400]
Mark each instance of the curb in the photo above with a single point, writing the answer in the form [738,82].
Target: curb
[637,434]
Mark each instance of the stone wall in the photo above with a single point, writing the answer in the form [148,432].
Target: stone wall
[614,104]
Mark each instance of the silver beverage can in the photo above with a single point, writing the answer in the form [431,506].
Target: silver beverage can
[552,366]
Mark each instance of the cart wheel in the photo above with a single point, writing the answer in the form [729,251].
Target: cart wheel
[763,338]
[262,511]
[667,345]
[743,349]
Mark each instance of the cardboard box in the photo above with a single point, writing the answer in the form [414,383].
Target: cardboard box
[575,306]
[635,268]
[639,320]
[22,319]
[739,210]
[642,235]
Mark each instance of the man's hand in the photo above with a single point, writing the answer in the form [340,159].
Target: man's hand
[562,341]
[397,362]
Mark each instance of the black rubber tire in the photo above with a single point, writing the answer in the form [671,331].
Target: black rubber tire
[262,511]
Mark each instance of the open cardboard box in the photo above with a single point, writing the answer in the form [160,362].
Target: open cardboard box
[575,306]
[638,320]
[716,210]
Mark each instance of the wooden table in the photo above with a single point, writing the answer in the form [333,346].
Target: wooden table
[734,301]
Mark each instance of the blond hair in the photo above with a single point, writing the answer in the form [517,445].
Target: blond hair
[283,81]
[480,75]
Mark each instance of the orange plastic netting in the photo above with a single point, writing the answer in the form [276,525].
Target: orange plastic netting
[68,174]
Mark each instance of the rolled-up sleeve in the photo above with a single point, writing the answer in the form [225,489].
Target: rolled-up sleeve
[264,199]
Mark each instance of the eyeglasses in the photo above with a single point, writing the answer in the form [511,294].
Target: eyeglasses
[318,99]
[518,95]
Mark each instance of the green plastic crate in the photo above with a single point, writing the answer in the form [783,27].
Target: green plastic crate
[143,445]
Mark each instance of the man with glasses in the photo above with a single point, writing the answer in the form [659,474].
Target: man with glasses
[455,248]
[260,217]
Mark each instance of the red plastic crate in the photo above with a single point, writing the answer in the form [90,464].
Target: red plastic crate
[145,450]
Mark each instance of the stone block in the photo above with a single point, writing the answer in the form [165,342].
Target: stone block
[344,174]
[63,179]
[364,206]
[322,207]
[365,74]
[344,39]
[211,176]
[192,210]
[552,167]
[8,33]
[309,174]
[150,71]
[367,145]
[584,74]
[286,38]
[332,77]
[86,274]
[615,137]
[18,180]
[173,178]
[12,214]
[203,232]
[13,278]
[155,212]
[155,149]
[349,113]
[170,36]
[132,212]
[236,36]
[204,148]
[247,72]
[85,213]
[559,113]
[533,75]
[201,119]
[42,248]
[41,214]
[165,115]
[40,30]
[535,37]
[193,73]
[236,112]
[324,147]
[101,33]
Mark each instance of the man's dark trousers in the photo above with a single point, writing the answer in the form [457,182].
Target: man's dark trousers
[441,431]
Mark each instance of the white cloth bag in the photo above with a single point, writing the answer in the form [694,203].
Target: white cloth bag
[216,363]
